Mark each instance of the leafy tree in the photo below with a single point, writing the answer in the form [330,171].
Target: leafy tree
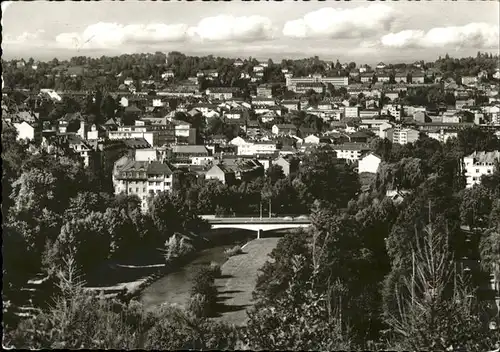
[275,173]
[325,178]
[475,207]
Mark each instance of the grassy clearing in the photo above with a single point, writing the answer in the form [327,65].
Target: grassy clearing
[239,275]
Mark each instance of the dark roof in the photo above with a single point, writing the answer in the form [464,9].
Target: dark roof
[136,143]
[111,122]
[132,108]
[153,167]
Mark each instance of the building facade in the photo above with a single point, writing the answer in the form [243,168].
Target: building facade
[478,164]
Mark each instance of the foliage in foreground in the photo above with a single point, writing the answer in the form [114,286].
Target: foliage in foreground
[79,320]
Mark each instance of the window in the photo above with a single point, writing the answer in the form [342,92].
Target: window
[477,171]
[137,189]
[130,190]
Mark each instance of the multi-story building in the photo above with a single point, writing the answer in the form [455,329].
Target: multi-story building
[351,151]
[304,87]
[402,135]
[157,135]
[190,154]
[469,80]
[257,148]
[265,90]
[366,77]
[339,81]
[142,178]
[478,164]
[222,93]
[442,134]
[351,111]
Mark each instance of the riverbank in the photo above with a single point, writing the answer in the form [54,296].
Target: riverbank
[127,279]
[239,277]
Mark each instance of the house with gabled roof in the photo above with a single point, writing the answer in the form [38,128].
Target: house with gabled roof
[222,173]
[369,163]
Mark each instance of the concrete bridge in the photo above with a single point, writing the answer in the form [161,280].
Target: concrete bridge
[258,224]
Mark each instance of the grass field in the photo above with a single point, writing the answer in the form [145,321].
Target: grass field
[239,275]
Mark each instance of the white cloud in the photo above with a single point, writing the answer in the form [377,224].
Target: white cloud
[342,23]
[23,38]
[224,27]
[105,35]
[472,35]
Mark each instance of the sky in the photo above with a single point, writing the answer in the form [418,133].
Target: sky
[360,31]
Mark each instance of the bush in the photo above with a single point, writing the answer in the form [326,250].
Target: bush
[203,284]
[198,305]
[177,247]
[233,251]
[216,269]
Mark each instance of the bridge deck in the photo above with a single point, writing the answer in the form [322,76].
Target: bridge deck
[257,221]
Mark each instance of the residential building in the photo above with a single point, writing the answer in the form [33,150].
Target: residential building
[478,164]
[401,78]
[144,179]
[366,77]
[417,78]
[351,151]
[289,164]
[263,101]
[257,148]
[222,93]
[147,154]
[469,80]
[28,131]
[351,111]
[291,105]
[222,173]
[304,87]
[369,163]
[155,135]
[383,78]
[442,134]
[339,81]
[284,129]
[265,90]
[402,135]
[190,154]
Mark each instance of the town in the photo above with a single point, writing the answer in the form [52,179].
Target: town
[105,157]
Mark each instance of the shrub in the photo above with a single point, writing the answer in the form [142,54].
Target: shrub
[198,305]
[203,284]
[233,251]
[177,247]
[216,269]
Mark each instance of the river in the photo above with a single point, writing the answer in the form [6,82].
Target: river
[174,287]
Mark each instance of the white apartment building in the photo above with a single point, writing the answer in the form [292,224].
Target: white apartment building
[351,152]
[403,135]
[261,147]
[478,164]
[142,178]
[351,111]
[291,82]
[442,135]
